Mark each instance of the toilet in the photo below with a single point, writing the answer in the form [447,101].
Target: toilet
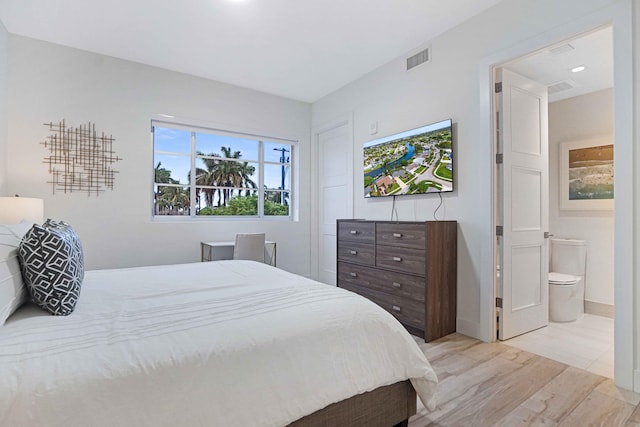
[567,279]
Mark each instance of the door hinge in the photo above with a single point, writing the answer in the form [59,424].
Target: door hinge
[498,302]
[498,87]
[499,158]
[499,230]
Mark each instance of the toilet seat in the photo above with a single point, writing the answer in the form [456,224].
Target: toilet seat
[562,279]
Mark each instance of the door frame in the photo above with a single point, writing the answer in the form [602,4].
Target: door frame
[619,16]
[316,130]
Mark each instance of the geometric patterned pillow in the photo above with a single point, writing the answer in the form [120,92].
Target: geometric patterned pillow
[52,266]
[63,226]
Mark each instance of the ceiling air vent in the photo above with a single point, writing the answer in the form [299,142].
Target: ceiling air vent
[419,58]
[559,87]
[561,49]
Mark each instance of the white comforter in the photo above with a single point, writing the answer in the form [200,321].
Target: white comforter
[227,343]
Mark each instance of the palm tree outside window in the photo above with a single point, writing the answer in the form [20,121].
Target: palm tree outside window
[210,173]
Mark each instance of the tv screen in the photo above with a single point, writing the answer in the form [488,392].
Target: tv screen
[415,161]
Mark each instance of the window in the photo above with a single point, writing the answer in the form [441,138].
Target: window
[204,172]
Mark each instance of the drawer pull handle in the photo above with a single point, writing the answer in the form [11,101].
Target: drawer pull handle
[396,285]
[353,252]
[397,259]
[397,235]
[353,274]
[353,231]
[396,309]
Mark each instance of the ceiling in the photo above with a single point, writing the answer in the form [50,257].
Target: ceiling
[552,66]
[298,49]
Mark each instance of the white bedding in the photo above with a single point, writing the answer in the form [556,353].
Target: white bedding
[227,343]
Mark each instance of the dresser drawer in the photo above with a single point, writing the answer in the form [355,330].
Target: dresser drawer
[401,259]
[361,253]
[354,231]
[407,311]
[398,284]
[402,235]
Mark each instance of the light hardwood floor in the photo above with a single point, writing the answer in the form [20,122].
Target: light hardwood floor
[492,384]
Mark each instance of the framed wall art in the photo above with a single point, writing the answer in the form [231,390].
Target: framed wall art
[586,175]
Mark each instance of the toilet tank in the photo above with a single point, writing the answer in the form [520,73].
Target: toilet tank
[569,256]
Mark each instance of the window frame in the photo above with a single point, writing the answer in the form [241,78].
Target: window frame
[193,129]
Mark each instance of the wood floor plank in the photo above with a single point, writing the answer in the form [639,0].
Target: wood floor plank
[493,369]
[523,416]
[453,391]
[490,384]
[609,388]
[486,351]
[452,365]
[498,397]
[635,416]
[598,409]
[563,394]
[447,345]
[517,355]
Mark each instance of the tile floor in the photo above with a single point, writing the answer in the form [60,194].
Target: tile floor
[586,343]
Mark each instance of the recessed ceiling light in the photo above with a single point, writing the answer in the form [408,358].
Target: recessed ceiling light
[169,116]
[578,69]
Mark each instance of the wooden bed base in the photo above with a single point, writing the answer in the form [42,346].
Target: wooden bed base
[385,406]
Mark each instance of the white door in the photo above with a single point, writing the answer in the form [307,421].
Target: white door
[524,180]
[335,191]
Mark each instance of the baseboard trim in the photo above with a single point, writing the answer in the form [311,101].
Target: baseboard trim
[598,309]
[468,328]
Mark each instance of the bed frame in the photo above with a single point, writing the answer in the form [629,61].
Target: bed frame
[385,406]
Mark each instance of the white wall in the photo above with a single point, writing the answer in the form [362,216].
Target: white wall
[50,82]
[4,59]
[631,297]
[580,118]
[450,86]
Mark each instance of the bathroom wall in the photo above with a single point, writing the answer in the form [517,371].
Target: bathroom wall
[577,118]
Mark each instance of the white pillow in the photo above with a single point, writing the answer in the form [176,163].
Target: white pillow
[12,291]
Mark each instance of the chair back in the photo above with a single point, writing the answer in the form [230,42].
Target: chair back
[249,246]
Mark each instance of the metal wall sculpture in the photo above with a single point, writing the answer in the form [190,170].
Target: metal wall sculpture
[80,160]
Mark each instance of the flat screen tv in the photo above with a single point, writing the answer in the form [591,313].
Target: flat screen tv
[415,161]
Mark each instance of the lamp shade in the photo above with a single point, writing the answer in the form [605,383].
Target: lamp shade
[16,209]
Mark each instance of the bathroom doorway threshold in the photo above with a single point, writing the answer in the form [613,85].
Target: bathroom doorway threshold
[586,343]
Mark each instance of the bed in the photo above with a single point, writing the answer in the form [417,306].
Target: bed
[225,343]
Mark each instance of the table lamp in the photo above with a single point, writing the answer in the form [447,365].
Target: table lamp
[16,209]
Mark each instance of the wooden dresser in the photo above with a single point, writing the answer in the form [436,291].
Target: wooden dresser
[408,268]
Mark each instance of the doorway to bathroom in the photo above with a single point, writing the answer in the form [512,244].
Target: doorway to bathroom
[578,77]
